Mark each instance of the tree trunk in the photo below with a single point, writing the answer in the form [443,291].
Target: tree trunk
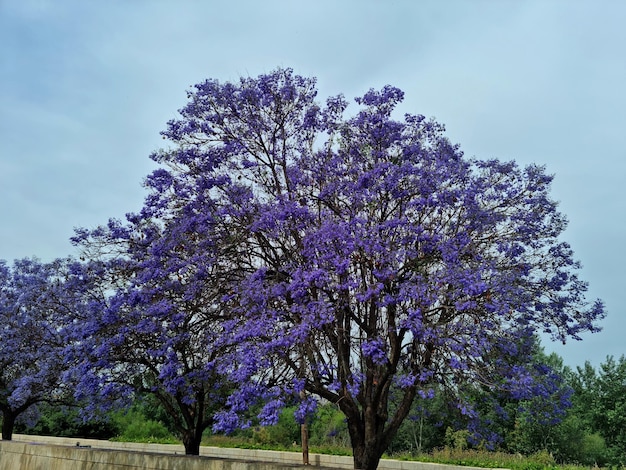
[191,441]
[194,416]
[8,421]
[366,454]
[371,432]
[366,457]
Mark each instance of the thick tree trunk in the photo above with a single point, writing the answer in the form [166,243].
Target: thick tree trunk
[366,455]
[366,452]
[8,422]
[366,458]
[370,430]
[193,417]
[191,441]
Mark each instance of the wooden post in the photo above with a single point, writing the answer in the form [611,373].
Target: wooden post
[304,432]
[304,436]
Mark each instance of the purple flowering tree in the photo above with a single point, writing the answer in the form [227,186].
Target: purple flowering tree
[37,308]
[521,409]
[156,323]
[361,258]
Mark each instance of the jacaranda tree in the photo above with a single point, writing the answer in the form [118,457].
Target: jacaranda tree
[156,326]
[520,415]
[358,258]
[37,310]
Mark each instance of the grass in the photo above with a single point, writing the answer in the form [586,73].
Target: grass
[485,459]
[490,459]
[146,440]
[246,443]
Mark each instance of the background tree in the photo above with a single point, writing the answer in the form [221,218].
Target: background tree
[157,326]
[424,430]
[600,406]
[37,307]
[609,410]
[524,416]
[65,420]
[521,416]
[373,259]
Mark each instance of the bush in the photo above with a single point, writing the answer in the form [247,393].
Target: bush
[285,432]
[328,427]
[458,440]
[64,421]
[134,426]
[593,451]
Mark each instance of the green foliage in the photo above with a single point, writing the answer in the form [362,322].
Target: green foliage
[593,450]
[581,437]
[593,433]
[65,421]
[425,427]
[150,407]
[457,440]
[609,408]
[135,427]
[572,442]
[286,432]
[486,459]
[599,405]
[329,428]
[542,460]
[328,433]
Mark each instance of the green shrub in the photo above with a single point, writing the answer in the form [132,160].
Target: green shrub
[328,428]
[65,421]
[286,432]
[134,426]
[593,451]
[457,439]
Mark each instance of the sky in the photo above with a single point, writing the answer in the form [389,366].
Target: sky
[86,88]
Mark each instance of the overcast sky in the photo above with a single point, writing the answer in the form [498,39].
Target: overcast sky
[86,87]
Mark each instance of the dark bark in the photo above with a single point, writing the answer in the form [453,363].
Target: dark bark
[366,457]
[191,441]
[370,430]
[189,420]
[192,435]
[8,422]
[366,454]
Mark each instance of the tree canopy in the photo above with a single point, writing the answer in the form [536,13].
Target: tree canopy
[358,258]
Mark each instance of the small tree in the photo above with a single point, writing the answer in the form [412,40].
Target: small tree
[375,258]
[37,306]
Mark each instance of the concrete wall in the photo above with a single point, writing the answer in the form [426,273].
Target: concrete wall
[24,456]
[53,453]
